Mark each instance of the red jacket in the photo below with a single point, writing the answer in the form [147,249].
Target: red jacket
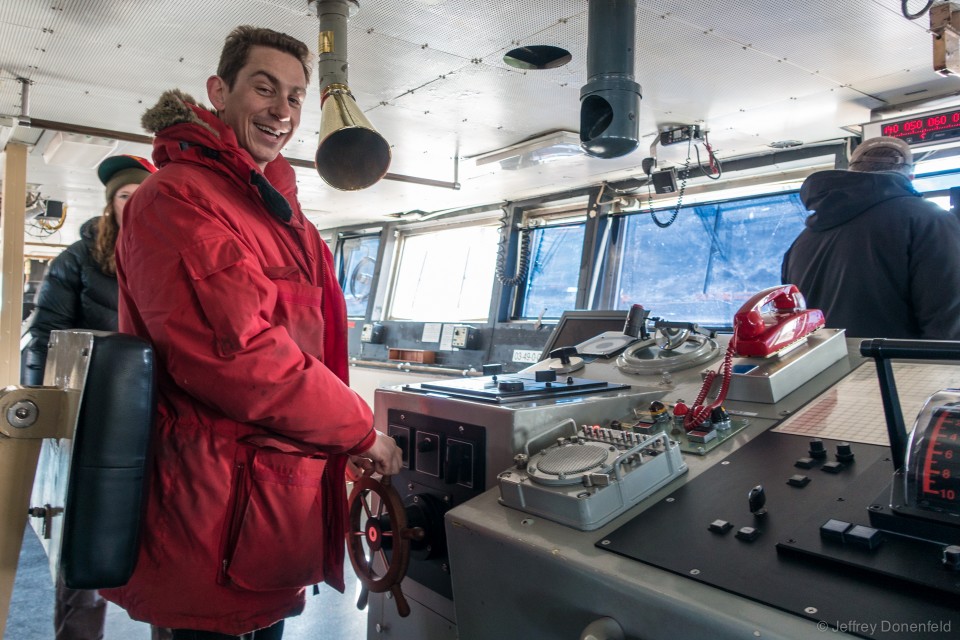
[247,501]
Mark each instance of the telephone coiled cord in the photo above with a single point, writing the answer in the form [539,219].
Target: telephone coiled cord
[522,261]
[699,412]
[683,187]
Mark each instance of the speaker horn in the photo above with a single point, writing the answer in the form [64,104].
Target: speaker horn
[351,154]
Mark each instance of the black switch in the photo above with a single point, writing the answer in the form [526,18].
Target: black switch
[863,536]
[545,376]
[426,444]
[510,385]
[798,481]
[756,498]
[454,461]
[844,453]
[834,529]
[817,450]
[832,467]
[720,526]
[951,557]
[492,369]
[805,463]
[748,534]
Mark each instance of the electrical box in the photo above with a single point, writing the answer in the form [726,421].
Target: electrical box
[665,181]
[372,333]
[677,135]
[945,26]
[464,337]
[53,211]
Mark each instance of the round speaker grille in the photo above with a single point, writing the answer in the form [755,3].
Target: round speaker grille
[571,459]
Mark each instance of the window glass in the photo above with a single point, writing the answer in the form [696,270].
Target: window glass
[446,275]
[553,270]
[356,264]
[705,265]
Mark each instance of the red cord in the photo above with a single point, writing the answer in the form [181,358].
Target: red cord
[699,413]
[710,157]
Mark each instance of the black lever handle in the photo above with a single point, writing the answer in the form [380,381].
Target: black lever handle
[564,353]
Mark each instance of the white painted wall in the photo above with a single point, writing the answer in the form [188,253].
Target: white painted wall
[365,380]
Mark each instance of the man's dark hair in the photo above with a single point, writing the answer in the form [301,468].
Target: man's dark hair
[236,50]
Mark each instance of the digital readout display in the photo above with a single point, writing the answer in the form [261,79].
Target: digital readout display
[928,128]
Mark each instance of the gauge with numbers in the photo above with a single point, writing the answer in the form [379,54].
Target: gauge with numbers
[933,456]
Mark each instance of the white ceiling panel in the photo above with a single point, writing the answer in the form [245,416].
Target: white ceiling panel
[431,78]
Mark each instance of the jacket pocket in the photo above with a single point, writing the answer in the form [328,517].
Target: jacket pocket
[299,309]
[277,535]
[229,299]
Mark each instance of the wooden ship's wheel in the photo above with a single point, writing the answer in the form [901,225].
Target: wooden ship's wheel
[378,539]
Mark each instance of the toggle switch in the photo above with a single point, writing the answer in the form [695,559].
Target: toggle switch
[756,498]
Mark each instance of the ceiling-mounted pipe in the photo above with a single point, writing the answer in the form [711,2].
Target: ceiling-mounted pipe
[123,136]
[24,118]
[351,154]
[610,101]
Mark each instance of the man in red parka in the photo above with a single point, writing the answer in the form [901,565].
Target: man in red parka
[221,272]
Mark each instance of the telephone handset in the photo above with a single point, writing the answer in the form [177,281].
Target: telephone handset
[760,334]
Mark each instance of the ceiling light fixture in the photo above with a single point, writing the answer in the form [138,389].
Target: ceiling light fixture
[536,151]
[76,150]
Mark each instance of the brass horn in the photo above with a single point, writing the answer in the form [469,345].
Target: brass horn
[351,154]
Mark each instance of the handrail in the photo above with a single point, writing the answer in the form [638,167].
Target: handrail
[407,367]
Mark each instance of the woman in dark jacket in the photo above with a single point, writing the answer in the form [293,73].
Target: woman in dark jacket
[79,291]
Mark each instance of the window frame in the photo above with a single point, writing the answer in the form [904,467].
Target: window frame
[485,218]
[341,239]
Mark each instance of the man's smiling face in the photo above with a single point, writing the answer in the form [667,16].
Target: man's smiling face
[263,106]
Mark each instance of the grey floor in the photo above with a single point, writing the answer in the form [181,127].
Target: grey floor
[328,616]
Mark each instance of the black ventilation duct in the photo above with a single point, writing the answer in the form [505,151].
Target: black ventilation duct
[610,101]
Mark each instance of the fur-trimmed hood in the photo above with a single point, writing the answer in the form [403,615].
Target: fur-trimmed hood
[172,108]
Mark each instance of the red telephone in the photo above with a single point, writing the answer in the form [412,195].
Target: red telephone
[757,334]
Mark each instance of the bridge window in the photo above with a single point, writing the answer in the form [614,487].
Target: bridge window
[710,260]
[445,275]
[356,266]
[553,270]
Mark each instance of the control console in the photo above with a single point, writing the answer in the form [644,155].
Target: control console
[590,475]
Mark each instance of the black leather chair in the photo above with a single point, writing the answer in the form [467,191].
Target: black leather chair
[107,473]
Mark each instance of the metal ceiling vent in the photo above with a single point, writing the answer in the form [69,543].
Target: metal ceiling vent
[610,101]
[351,154]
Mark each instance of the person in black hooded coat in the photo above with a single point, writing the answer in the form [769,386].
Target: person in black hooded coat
[878,259]
[75,294]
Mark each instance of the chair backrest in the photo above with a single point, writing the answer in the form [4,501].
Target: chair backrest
[107,457]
